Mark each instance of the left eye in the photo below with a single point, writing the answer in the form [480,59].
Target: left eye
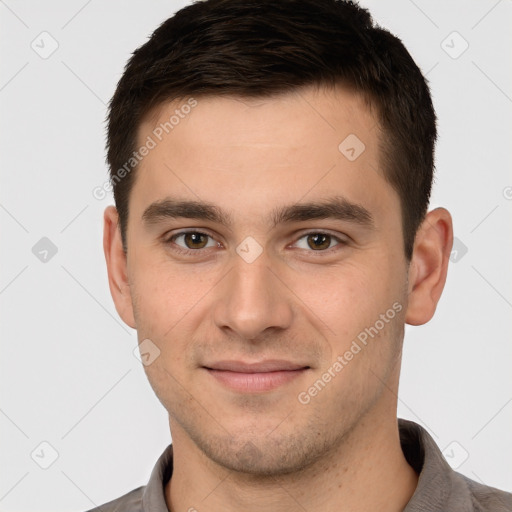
[194,240]
[317,241]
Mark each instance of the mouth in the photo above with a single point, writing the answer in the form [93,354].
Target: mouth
[255,377]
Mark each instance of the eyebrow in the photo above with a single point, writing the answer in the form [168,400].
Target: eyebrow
[336,207]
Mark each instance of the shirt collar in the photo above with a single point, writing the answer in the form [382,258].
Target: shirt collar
[153,497]
[439,486]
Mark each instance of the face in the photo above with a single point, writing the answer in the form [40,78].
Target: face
[266,266]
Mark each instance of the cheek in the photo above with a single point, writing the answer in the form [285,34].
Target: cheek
[164,293]
[349,300]
[161,300]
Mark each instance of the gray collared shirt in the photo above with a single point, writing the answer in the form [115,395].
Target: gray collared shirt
[440,488]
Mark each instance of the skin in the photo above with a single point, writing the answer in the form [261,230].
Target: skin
[236,450]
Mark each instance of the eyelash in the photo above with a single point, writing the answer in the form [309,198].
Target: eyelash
[171,240]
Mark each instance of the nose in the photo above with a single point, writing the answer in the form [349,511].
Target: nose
[252,300]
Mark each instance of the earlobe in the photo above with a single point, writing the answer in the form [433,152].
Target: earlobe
[429,266]
[117,266]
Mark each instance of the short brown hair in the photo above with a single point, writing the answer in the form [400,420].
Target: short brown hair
[259,48]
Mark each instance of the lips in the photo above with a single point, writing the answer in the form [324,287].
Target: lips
[271,365]
[255,377]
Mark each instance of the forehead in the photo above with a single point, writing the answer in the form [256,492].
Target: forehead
[254,153]
[295,118]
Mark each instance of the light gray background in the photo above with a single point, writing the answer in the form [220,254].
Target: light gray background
[68,373]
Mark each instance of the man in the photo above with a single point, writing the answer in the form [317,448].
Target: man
[272,165]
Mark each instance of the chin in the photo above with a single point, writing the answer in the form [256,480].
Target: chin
[265,456]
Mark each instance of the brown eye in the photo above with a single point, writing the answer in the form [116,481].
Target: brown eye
[318,241]
[195,240]
[192,240]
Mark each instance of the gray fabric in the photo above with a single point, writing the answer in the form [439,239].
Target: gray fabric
[440,489]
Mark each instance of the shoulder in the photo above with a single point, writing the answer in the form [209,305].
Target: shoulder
[130,502]
[487,499]
[148,498]
[440,488]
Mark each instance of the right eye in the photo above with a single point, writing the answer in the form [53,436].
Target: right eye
[192,241]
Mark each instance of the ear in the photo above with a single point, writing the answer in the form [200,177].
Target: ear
[117,266]
[429,266]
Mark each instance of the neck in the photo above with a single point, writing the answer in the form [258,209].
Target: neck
[367,471]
